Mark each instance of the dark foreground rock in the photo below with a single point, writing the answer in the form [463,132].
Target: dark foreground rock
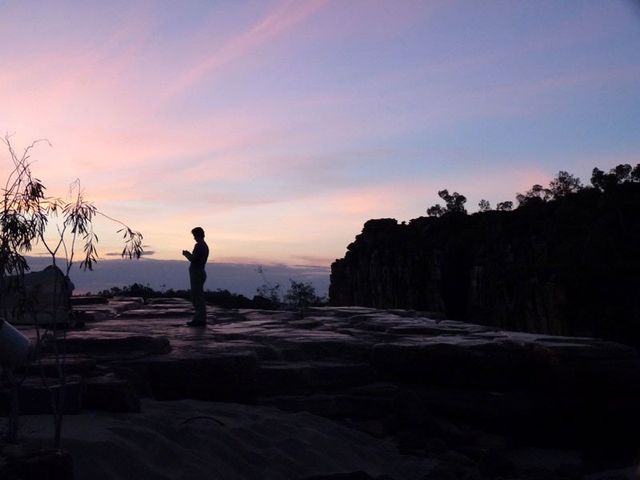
[190,439]
[27,462]
[484,403]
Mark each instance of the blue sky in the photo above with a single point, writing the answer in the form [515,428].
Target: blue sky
[281,126]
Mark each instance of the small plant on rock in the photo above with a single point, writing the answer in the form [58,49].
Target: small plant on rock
[301,295]
[28,218]
[267,294]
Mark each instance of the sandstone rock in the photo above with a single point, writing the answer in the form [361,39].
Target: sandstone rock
[73,365]
[30,462]
[120,298]
[227,377]
[630,473]
[360,475]
[311,377]
[88,300]
[88,315]
[114,344]
[145,313]
[431,386]
[168,301]
[110,394]
[35,396]
[453,360]
[545,463]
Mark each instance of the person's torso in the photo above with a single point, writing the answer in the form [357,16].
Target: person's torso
[199,255]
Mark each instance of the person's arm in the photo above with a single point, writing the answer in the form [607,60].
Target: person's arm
[188,254]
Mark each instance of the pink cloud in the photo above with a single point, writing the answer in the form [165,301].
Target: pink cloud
[286,16]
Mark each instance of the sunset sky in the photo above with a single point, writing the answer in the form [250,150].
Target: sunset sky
[280,127]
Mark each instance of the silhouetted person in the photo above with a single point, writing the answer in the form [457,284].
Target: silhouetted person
[197,276]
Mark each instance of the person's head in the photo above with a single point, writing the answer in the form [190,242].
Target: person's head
[198,233]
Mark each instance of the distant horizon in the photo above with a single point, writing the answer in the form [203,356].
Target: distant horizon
[162,275]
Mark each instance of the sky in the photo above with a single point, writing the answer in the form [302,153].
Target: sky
[281,126]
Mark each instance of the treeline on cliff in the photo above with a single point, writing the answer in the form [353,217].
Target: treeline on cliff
[298,296]
[566,261]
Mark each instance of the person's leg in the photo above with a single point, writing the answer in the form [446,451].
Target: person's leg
[197,294]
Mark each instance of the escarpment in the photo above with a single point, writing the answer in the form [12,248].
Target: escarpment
[567,267]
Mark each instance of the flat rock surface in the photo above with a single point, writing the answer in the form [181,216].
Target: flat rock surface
[197,440]
[362,344]
[382,338]
[435,389]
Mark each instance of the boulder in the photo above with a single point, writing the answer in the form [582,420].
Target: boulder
[42,297]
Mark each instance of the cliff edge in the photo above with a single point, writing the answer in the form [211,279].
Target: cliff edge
[565,267]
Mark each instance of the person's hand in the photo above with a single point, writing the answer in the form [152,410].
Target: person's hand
[185,252]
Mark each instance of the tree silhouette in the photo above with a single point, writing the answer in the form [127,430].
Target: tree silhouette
[454,204]
[436,210]
[504,206]
[622,173]
[536,194]
[301,295]
[564,184]
[27,218]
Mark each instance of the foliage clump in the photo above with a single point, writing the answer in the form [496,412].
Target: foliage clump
[221,297]
[563,185]
[299,296]
[29,217]
[623,173]
[484,205]
[454,204]
[504,206]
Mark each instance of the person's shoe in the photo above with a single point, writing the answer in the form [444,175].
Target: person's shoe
[194,323]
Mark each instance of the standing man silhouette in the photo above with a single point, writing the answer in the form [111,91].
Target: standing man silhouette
[197,276]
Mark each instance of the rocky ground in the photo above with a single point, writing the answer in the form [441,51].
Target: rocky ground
[443,399]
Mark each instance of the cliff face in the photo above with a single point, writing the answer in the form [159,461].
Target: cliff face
[569,267]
